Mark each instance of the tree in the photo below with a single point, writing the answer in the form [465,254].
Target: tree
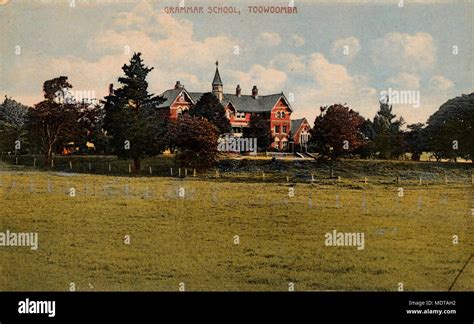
[133,121]
[337,131]
[367,149]
[388,140]
[210,108]
[449,131]
[13,119]
[54,122]
[195,140]
[415,140]
[259,128]
[57,89]
[98,135]
[92,120]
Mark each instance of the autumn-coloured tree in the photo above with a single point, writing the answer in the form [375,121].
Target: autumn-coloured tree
[195,140]
[337,131]
[210,108]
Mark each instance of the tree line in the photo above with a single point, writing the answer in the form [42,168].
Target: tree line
[129,123]
[448,133]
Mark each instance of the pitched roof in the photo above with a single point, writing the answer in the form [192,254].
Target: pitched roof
[246,103]
[243,103]
[296,124]
[170,96]
[217,78]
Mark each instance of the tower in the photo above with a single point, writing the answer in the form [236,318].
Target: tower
[217,86]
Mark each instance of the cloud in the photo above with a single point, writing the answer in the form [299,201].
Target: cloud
[270,39]
[440,83]
[166,42]
[346,48]
[405,81]
[331,83]
[268,80]
[296,40]
[288,62]
[405,52]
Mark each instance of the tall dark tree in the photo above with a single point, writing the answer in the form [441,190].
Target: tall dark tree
[92,119]
[259,128]
[132,118]
[388,140]
[13,119]
[54,122]
[450,130]
[210,108]
[367,149]
[337,131]
[97,134]
[415,140]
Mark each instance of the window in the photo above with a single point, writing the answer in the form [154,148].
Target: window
[304,138]
[276,144]
[284,144]
[236,130]
[240,115]
[282,114]
[284,130]
[277,129]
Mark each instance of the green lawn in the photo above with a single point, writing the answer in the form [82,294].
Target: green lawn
[191,239]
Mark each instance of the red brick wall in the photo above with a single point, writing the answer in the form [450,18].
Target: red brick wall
[277,120]
[296,136]
[183,103]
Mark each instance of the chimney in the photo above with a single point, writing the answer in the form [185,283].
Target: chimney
[238,90]
[255,92]
[178,85]
[111,89]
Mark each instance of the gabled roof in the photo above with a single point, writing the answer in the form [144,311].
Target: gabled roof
[243,103]
[171,95]
[296,124]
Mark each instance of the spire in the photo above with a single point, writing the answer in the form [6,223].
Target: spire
[217,77]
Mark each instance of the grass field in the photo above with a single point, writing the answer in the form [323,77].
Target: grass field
[184,230]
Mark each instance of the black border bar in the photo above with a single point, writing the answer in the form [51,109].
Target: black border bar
[244,306]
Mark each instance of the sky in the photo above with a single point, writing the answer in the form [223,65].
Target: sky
[329,52]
